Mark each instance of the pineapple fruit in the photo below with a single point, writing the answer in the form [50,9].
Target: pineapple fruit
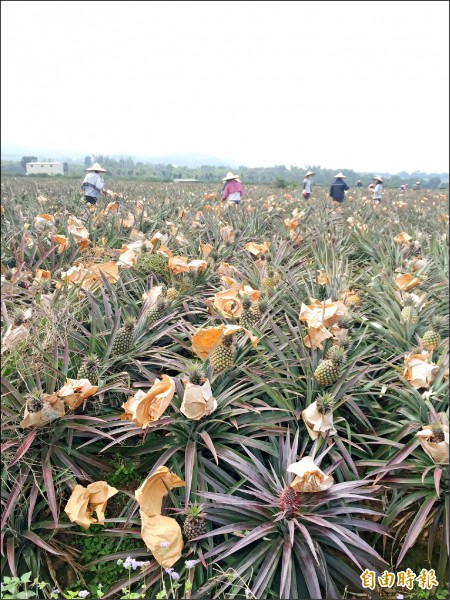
[194,524]
[158,311]
[329,369]
[89,369]
[260,307]
[288,501]
[34,403]
[325,403]
[222,355]
[432,337]
[248,316]
[172,294]
[409,312]
[438,433]
[124,338]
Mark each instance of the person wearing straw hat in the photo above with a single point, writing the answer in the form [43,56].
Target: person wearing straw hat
[232,191]
[307,189]
[338,188]
[416,186]
[93,184]
[378,189]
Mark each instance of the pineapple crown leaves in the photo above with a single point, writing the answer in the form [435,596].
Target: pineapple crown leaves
[325,402]
[130,323]
[19,316]
[227,340]
[246,302]
[338,356]
[409,301]
[195,510]
[438,322]
[196,373]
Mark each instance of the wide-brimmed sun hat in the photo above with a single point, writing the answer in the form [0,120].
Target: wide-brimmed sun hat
[97,167]
[377,178]
[229,176]
[309,173]
[339,176]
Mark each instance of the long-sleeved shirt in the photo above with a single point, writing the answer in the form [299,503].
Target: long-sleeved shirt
[93,184]
[233,191]
[377,191]
[307,185]
[338,189]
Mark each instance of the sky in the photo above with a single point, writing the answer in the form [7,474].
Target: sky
[356,85]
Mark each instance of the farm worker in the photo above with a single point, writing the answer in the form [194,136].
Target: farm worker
[378,189]
[338,188]
[233,190]
[359,183]
[307,189]
[93,184]
[416,186]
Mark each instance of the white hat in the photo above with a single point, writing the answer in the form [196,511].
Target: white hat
[378,178]
[417,183]
[97,167]
[339,176]
[230,176]
[309,173]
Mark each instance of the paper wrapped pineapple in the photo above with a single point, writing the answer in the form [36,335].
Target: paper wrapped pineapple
[198,400]
[309,478]
[144,408]
[162,535]
[85,501]
[318,417]
[434,439]
[42,409]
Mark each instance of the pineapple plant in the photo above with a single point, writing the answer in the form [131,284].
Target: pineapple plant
[329,369]
[194,524]
[432,337]
[124,338]
[325,403]
[409,312]
[248,316]
[89,369]
[158,311]
[288,501]
[222,355]
[438,433]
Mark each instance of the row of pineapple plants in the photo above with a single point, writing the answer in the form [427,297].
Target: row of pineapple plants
[238,493]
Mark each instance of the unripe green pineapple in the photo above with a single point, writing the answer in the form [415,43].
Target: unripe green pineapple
[158,311]
[260,307]
[438,433]
[172,294]
[329,370]
[248,316]
[89,369]
[222,355]
[194,524]
[276,278]
[288,501]
[432,337]
[124,338]
[196,373]
[409,312]
[34,403]
[325,403]
[345,321]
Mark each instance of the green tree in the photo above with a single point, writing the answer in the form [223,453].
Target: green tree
[87,161]
[434,183]
[26,159]
[66,168]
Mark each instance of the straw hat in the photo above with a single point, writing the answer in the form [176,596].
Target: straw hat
[229,176]
[339,176]
[97,167]
[309,173]
[377,178]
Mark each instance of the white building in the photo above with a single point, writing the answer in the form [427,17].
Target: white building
[45,168]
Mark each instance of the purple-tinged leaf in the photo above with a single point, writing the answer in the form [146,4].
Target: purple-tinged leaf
[437,479]
[16,489]
[49,487]
[189,468]
[308,539]
[210,445]
[32,503]
[286,569]
[30,535]
[416,526]
[10,545]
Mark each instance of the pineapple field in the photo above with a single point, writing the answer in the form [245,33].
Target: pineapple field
[202,400]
